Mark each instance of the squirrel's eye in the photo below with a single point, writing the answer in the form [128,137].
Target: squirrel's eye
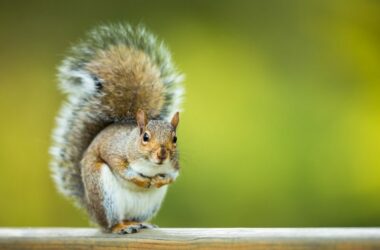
[175,139]
[146,137]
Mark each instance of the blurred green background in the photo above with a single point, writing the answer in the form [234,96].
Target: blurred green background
[281,124]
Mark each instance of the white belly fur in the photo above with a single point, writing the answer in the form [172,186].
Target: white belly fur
[125,201]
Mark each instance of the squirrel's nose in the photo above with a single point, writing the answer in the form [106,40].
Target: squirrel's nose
[162,153]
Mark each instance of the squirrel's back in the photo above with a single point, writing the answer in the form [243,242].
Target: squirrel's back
[108,76]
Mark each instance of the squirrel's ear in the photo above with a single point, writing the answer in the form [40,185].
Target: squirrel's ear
[141,120]
[175,120]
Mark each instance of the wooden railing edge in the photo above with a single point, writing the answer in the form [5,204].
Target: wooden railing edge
[190,238]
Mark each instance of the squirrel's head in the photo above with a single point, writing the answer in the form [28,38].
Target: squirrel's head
[157,138]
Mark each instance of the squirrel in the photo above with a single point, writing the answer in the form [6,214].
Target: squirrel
[115,144]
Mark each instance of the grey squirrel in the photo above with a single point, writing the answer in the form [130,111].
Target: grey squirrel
[114,146]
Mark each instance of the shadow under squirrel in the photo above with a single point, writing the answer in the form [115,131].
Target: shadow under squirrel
[114,149]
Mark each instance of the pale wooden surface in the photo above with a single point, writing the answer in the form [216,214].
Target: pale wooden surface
[192,238]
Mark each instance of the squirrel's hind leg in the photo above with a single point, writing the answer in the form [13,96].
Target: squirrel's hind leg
[101,203]
[106,199]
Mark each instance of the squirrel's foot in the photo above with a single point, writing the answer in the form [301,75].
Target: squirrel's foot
[161,180]
[128,227]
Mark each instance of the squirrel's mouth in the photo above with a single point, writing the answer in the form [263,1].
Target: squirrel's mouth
[159,161]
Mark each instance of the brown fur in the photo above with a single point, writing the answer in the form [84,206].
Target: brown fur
[159,181]
[175,120]
[161,137]
[118,228]
[93,193]
[115,146]
[114,71]
[120,65]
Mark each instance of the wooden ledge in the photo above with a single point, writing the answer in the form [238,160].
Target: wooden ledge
[192,238]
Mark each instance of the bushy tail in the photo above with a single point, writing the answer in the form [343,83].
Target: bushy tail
[108,76]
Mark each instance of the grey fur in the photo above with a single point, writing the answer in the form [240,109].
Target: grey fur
[82,117]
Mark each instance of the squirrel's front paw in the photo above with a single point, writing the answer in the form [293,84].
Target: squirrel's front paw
[138,179]
[161,180]
[141,181]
